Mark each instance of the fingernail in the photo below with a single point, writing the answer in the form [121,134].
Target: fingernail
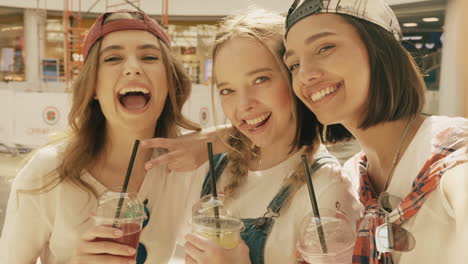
[143,143]
[148,166]
[118,233]
[131,251]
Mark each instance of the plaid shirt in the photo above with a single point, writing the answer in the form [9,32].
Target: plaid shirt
[449,149]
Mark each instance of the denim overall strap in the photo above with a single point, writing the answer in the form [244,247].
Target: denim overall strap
[257,230]
[220,161]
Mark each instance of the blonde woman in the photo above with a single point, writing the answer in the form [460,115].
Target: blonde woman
[131,87]
[262,170]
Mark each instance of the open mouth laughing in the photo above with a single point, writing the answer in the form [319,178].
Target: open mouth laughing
[134,98]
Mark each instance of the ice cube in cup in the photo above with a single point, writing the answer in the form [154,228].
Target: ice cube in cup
[339,235]
[215,219]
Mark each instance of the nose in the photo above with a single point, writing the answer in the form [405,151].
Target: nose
[309,72]
[247,101]
[132,67]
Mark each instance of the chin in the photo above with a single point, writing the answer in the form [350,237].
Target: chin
[260,142]
[327,119]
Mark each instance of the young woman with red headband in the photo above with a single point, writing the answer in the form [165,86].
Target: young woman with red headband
[131,87]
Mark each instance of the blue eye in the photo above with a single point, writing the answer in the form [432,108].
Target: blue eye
[261,79]
[225,91]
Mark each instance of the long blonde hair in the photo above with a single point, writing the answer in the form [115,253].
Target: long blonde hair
[266,28]
[87,122]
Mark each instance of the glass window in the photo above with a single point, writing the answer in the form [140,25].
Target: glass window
[11,45]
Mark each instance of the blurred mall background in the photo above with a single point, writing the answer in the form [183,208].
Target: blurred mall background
[40,57]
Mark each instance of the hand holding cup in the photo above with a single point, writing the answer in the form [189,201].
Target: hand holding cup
[96,246]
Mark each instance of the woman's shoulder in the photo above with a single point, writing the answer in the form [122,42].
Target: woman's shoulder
[437,124]
[450,132]
[41,164]
[448,120]
[454,186]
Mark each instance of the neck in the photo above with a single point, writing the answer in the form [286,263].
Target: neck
[275,153]
[380,144]
[112,162]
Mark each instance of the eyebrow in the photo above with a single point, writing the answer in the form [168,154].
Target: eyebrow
[119,47]
[310,40]
[109,48]
[149,46]
[264,69]
[250,73]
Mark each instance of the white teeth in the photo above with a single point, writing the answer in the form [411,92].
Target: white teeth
[322,93]
[258,119]
[135,89]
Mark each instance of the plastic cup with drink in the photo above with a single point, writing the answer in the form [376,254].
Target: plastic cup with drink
[122,209]
[339,236]
[213,217]
[129,219]
[224,228]
[325,236]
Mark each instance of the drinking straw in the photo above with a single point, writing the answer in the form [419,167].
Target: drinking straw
[213,185]
[127,179]
[313,200]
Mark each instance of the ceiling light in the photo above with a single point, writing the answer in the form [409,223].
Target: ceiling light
[430,19]
[412,37]
[12,28]
[410,24]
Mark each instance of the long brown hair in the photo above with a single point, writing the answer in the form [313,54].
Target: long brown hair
[266,28]
[87,122]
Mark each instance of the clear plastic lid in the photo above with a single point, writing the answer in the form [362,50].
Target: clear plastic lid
[216,213]
[338,234]
[120,206]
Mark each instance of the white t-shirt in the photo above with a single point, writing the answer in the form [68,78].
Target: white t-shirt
[48,225]
[262,186]
[433,226]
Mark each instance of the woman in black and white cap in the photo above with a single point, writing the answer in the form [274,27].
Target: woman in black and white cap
[349,67]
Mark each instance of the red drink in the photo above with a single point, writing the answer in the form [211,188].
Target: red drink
[124,211]
[130,237]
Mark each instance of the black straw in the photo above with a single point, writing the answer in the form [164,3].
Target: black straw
[213,184]
[127,179]
[313,200]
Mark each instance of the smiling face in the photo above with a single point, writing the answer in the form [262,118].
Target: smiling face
[131,84]
[330,68]
[254,92]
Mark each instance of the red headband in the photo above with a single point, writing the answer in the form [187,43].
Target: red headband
[99,30]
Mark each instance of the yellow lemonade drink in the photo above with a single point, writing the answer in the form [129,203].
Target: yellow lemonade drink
[223,231]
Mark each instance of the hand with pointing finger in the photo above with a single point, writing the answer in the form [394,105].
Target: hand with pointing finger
[185,153]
